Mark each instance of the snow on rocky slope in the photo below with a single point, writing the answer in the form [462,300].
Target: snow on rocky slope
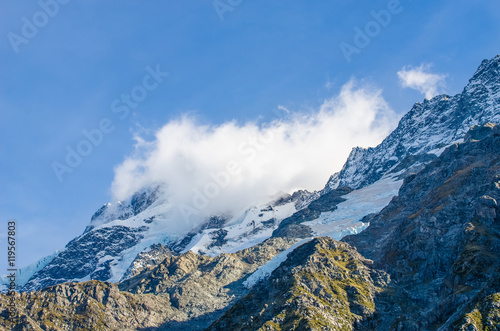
[422,135]
[119,231]
[427,128]
[254,226]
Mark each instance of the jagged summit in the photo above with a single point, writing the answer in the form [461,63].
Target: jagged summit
[123,210]
[427,128]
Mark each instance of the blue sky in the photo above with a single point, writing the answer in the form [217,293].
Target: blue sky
[238,64]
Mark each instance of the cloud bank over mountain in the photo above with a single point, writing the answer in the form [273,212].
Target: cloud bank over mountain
[212,169]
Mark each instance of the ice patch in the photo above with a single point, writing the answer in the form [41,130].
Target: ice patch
[255,225]
[346,219]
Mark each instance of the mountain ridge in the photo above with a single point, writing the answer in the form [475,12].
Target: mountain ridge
[427,128]
[427,258]
[140,218]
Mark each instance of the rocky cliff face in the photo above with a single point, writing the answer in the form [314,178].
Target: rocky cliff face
[85,257]
[439,239]
[96,254]
[91,305]
[148,259]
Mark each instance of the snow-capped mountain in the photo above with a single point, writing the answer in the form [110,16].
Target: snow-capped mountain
[433,266]
[427,128]
[119,232]
[429,227]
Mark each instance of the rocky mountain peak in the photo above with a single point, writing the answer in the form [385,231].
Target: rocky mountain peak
[488,72]
[427,128]
[122,210]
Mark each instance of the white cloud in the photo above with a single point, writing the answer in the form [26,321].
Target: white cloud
[421,79]
[296,151]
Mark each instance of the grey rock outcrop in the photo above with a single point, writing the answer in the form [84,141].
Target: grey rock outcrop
[184,292]
[322,285]
[439,239]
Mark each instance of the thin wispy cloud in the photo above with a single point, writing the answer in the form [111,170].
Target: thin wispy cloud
[421,79]
[296,151]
